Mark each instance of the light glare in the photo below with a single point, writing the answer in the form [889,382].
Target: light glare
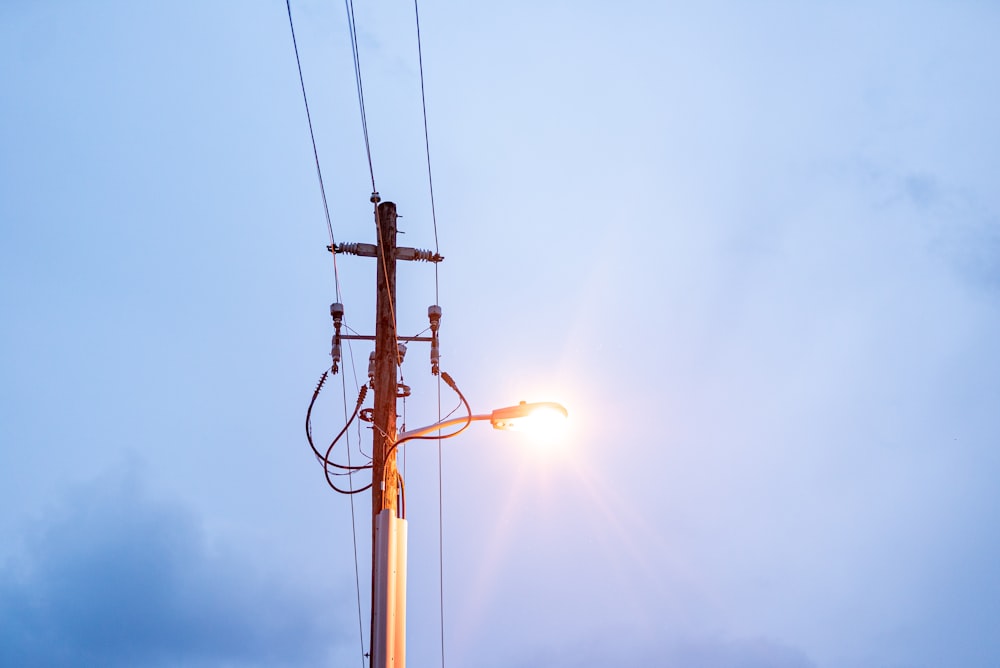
[544,424]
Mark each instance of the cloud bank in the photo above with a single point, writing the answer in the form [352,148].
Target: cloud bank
[112,577]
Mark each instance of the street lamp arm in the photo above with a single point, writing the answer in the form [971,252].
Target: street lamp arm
[500,418]
[444,424]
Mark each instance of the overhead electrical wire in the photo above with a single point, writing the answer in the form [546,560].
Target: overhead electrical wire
[336,278]
[312,137]
[332,468]
[349,5]
[437,300]
[358,79]
[427,148]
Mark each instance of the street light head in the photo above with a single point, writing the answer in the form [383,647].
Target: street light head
[543,417]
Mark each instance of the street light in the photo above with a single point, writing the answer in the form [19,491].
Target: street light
[522,416]
[389,595]
[388,637]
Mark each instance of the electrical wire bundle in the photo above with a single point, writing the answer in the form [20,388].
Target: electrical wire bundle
[332,468]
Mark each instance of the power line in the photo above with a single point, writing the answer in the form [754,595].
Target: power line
[437,300]
[382,244]
[312,137]
[336,275]
[349,5]
[427,147]
[375,199]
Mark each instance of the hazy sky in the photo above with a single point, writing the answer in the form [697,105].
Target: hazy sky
[753,247]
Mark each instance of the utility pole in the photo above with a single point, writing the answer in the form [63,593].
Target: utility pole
[388,632]
[388,628]
[388,625]
[384,482]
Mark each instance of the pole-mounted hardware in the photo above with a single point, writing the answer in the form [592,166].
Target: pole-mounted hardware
[434,315]
[371,250]
[389,537]
[433,312]
[337,313]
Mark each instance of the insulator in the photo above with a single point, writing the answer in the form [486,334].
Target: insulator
[364,250]
[371,367]
[425,255]
[355,249]
[336,311]
[435,357]
[335,354]
[401,352]
[434,315]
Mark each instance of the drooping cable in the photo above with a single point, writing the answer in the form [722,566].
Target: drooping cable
[451,383]
[349,5]
[325,459]
[312,137]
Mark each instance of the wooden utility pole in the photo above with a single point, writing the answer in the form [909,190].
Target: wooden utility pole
[389,529]
[384,481]
[388,630]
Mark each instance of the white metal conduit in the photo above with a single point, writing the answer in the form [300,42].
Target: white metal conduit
[389,626]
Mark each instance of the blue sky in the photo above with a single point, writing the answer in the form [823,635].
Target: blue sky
[755,249]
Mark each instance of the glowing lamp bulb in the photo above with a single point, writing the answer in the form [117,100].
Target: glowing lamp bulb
[545,419]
